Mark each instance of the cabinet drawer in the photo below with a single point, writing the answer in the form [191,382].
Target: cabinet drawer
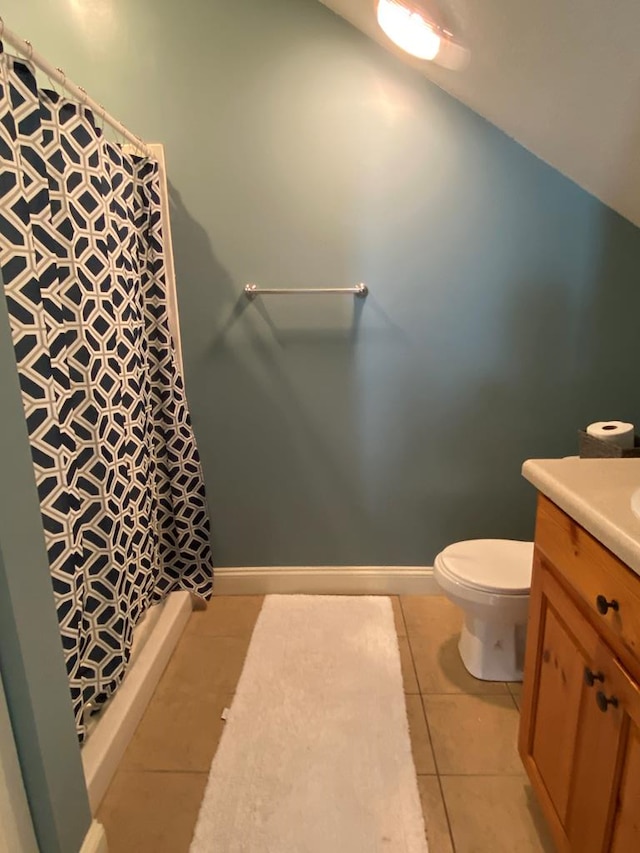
[591,571]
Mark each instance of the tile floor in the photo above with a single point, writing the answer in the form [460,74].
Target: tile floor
[475,796]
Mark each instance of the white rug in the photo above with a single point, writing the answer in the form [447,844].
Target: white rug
[315,756]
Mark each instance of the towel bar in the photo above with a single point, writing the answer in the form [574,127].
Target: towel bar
[252,290]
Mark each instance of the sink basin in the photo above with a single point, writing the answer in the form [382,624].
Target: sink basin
[635,502]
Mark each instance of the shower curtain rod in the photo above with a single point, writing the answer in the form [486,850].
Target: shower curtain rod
[57,74]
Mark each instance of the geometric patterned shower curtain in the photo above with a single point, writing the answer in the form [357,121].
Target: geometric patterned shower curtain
[115,459]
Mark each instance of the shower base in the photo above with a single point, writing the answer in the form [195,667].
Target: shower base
[109,735]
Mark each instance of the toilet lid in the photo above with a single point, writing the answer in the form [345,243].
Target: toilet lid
[495,565]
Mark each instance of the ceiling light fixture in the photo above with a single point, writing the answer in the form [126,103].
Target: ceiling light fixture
[410,26]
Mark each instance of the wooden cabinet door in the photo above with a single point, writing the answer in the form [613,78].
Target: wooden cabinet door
[580,726]
[601,731]
[624,825]
[559,715]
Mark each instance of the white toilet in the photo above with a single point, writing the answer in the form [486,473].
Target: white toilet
[490,579]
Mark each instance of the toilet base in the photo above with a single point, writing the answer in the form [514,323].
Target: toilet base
[492,651]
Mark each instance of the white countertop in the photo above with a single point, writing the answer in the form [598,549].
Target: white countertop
[597,494]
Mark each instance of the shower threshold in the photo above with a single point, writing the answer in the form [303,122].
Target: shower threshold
[109,732]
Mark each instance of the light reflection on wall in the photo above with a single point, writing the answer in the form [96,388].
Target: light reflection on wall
[97,21]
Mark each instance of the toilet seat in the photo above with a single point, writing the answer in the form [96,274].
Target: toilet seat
[499,566]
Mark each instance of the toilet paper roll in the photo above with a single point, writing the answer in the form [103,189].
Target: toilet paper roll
[613,432]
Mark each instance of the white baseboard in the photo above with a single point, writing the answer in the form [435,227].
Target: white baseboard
[106,745]
[95,841]
[326,580]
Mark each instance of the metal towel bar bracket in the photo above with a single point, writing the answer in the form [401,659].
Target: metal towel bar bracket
[252,290]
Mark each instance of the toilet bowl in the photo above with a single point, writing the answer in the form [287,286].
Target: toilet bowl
[490,580]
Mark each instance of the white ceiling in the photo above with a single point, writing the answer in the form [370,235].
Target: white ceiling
[562,77]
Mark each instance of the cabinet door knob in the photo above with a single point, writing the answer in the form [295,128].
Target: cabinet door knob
[590,677]
[603,605]
[604,701]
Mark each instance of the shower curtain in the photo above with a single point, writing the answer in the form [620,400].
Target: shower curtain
[115,458]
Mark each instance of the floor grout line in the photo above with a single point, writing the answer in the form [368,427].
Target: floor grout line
[438,775]
[413,663]
[513,696]
[491,693]
[426,720]
[404,621]
[446,814]
[522,775]
[174,772]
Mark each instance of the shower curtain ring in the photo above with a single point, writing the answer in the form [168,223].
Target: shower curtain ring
[64,75]
[30,57]
[53,85]
[1,26]
[84,95]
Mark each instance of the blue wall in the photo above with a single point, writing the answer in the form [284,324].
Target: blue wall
[504,300]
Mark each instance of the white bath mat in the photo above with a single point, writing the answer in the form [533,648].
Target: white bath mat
[315,756]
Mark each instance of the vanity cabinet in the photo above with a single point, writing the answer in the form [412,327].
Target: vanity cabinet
[580,722]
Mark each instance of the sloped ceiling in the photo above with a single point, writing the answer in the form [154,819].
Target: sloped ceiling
[562,77]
